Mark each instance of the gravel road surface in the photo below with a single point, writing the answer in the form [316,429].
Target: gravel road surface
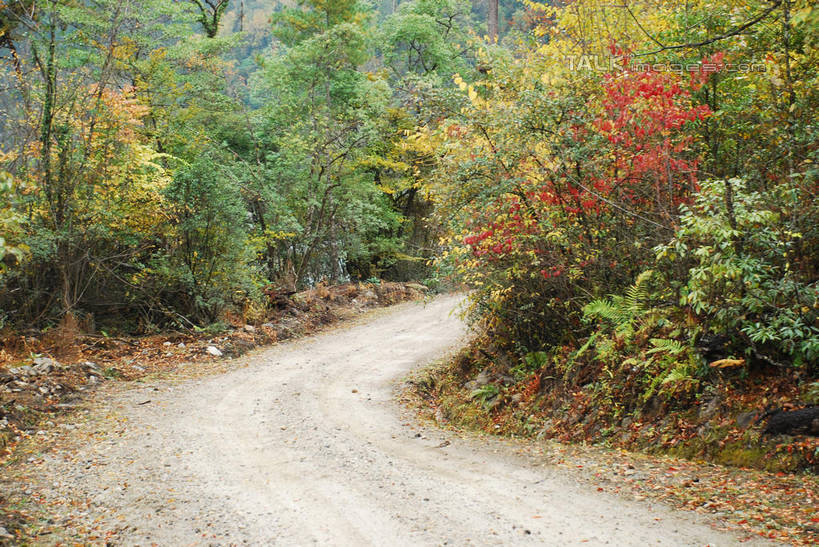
[303,443]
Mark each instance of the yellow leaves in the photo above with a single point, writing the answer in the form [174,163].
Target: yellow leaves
[125,50]
[727,363]
[463,86]
[420,141]
[269,237]
[158,54]
[807,14]
[499,294]
[7,157]
[383,163]
[127,195]
[546,78]
[386,188]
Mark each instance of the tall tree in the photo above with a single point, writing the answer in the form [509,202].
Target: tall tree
[210,14]
[324,117]
[492,20]
[88,180]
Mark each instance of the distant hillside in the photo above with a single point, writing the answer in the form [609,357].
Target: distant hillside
[256,13]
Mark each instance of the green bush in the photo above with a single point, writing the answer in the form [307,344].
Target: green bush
[208,258]
[741,277]
[10,221]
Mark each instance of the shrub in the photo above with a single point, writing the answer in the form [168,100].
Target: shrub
[741,279]
[208,258]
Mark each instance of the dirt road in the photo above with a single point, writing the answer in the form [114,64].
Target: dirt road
[306,445]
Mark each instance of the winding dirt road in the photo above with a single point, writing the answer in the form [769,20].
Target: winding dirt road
[307,445]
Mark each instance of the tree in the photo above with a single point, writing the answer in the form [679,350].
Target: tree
[492,20]
[426,38]
[77,123]
[207,255]
[423,44]
[324,117]
[210,14]
[91,105]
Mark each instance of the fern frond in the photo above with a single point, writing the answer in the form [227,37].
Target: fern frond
[601,308]
[637,294]
[675,375]
[622,311]
[665,345]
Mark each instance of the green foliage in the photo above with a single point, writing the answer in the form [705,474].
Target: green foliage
[622,310]
[167,167]
[426,37]
[664,345]
[530,363]
[207,259]
[325,116]
[741,278]
[626,341]
[485,394]
[811,393]
[162,182]
[210,14]
[11,248]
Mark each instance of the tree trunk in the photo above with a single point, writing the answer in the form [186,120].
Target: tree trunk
[492,17]
[796,422]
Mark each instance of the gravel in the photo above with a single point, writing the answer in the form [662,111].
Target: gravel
[304,443]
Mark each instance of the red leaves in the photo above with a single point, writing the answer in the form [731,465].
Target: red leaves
[708,65]
[501,235]
[644,112]
[532,387]
[551,272]
[473,239]
[456,131]
[556,209]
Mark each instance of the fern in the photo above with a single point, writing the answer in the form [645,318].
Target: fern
[610,309]
[665,345]
[570,362]
[676,375]
[678,381]
[536,360]
[485,394]
[622,311]
[637,295]
[585,346]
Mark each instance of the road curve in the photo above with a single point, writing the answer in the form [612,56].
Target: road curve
[305,445]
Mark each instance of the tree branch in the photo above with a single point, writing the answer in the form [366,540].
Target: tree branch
[735,31]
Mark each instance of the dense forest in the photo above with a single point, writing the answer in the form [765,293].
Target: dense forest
[629,191]
[164,162]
